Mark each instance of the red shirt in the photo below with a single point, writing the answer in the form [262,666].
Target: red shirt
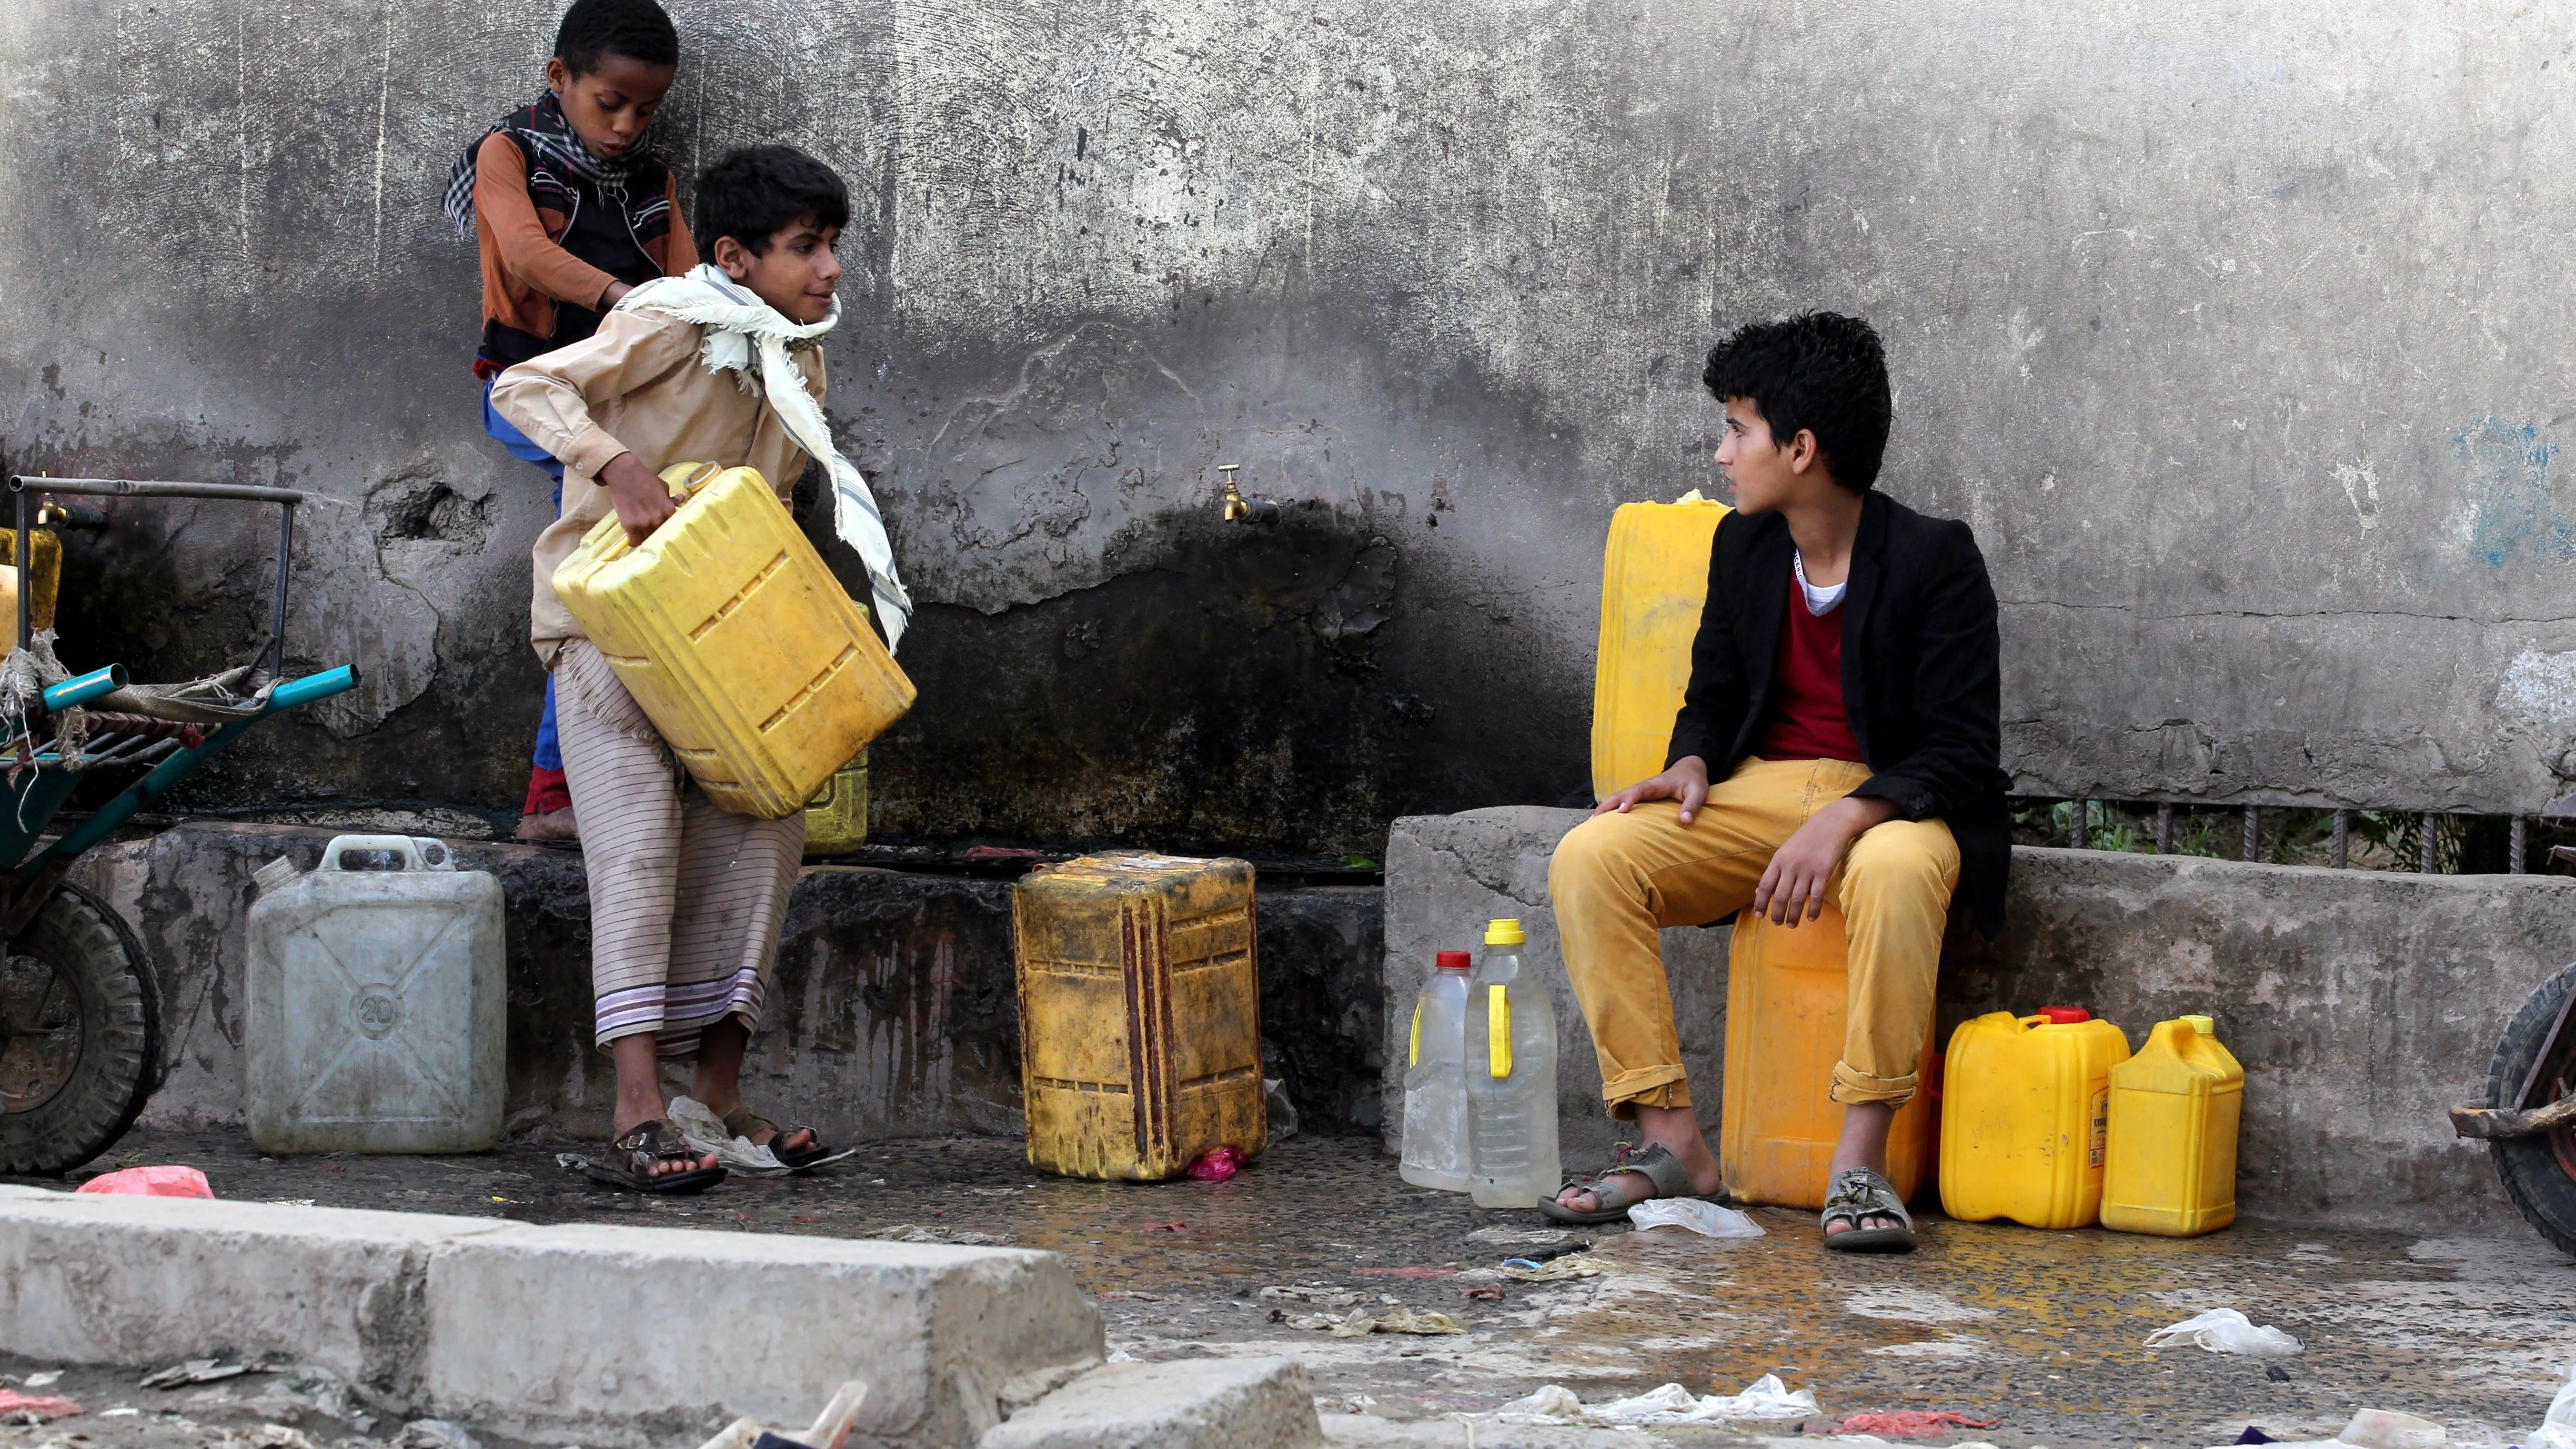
[1808,721]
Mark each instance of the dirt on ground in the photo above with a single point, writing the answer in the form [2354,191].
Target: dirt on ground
[2041,1332]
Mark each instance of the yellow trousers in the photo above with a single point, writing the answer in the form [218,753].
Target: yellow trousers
[1618,879]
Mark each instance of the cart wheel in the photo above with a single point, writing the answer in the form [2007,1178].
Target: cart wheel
[80,1036]
[2539,1171]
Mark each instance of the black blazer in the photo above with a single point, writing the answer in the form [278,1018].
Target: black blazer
[1922,670]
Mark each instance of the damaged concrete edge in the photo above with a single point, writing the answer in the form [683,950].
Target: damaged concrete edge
[461,1317]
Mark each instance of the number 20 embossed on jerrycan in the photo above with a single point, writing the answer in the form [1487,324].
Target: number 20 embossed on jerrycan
[377,1002]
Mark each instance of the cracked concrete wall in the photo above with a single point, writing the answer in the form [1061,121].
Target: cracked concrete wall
[2230,330]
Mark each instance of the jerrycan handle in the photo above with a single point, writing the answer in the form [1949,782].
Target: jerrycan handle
[417,854]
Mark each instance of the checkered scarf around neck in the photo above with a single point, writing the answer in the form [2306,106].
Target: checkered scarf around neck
[757,344]
[543,129]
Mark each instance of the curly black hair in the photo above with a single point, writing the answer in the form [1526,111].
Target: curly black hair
[636,29]
[1821,371]
[756,192]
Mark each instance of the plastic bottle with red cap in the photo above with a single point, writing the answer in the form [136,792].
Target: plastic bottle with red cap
[1436,1143]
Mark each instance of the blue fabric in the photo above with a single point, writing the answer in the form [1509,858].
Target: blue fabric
[509,436]
[549,754]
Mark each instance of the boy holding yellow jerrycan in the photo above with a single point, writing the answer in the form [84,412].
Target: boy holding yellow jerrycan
[689,875]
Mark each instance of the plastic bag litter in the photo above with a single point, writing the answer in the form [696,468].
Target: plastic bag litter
[1215,1165]
[1361,1322]
[1582,1265]
[1913,1423]
[1704,1218]
[151,1182]
[435,1434]
[2558,1428]
[2225,1330]
[1765,1398]
[2377,1429]
[37,1408]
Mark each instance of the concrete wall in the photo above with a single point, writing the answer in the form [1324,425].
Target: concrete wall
[2363,1004]
[895,1011]
[2233,330]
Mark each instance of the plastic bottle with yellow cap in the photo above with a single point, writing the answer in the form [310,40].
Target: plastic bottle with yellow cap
[1511,1077]
[2174,1112]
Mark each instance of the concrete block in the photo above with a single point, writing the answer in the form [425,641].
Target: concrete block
[1252,1403]
[146,1280]
[636,1336]
[2362,1003]
[1446,875]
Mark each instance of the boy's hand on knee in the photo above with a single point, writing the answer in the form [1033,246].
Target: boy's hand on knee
[643,502]
[1793,888]
[1686,780]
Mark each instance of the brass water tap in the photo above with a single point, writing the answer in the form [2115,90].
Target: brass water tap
[1239,509]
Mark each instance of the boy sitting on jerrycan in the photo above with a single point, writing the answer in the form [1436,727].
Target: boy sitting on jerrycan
[694,380]
[1839,741]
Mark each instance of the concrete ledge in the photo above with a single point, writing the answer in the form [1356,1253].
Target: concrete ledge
[1206,1403]
[895,1012]
[2363,1003]
[605,1335]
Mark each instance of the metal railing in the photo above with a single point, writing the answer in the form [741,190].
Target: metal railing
[2080,830]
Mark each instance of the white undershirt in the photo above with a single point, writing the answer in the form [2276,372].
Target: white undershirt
[1820,602]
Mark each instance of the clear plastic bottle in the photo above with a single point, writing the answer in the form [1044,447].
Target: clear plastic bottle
[1435,1080]
[1511,1077]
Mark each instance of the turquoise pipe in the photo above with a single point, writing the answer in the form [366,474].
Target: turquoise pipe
[150,789]
[81,689]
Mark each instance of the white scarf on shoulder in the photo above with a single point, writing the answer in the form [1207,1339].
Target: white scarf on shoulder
[751,339]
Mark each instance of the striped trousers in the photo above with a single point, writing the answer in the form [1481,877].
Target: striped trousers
[686,900]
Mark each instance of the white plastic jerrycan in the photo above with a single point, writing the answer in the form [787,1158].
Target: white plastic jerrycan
[377,1017]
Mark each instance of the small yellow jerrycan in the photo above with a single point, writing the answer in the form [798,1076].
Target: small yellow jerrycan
[2174,1112]
[2024,1116]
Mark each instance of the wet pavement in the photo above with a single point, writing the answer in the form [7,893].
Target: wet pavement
[2041,1331]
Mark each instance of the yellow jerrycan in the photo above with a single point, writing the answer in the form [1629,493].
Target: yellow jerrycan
[1786,994]
[1140,1014]
[836,821]
[44,580]
[2174,1113]
[1654,579]
[758,670]
[2025,1116]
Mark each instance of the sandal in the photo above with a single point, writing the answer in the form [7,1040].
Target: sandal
[1654,1161]
[1859,1194]
[632,1156]
[744,1122]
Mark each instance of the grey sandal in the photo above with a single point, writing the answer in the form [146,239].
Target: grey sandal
[1655,1162]
[1859,1194]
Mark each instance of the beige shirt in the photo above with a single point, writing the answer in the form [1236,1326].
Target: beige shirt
[635,386]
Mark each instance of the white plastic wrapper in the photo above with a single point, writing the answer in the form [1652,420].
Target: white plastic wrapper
[1704,1218]
[2225,1330]
[1764,1398]
[2558,1429]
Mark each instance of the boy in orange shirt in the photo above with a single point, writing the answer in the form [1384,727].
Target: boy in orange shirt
[573,211]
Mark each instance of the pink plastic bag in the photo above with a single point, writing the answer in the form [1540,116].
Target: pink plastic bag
[42,1406]
[152,1182]
[1216,1164]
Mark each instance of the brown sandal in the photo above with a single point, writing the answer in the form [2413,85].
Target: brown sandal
[746,1123]
[632,1156]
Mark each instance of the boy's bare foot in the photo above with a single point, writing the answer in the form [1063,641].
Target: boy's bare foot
[1677,1130]
[622,1122]
[1863,1144]
[553,825]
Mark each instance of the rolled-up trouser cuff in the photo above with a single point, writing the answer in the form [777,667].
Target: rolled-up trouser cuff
[1648,1087]
[1852,1087]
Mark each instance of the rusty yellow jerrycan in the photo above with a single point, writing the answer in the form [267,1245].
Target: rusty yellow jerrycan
[2025,1115]
[2174,1113]
[1140,1014]
[761,674]
[1654,580]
